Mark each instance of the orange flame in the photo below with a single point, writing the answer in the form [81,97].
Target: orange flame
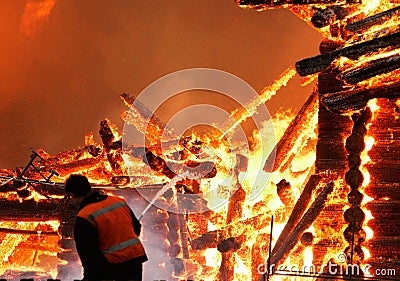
[35,14]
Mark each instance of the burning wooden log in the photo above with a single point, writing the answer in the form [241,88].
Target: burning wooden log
[145,121]
[373,20]
[373,68]
[29,232]
[112,147]
[212,238]
[268,4]
[306,240]
[284,190]
[280,252]
[297,211]
[318,63]
[295,133]
[230,244]
[207,240]
[357,98]
[77,165]
[258,253]
[250,108]
[327,16]
[158,164]
[235,209]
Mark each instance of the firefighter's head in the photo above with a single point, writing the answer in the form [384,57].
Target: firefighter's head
[78,186]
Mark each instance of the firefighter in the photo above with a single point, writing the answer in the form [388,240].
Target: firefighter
[106,234]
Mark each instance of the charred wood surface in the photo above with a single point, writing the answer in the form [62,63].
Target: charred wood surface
[28,232]
[14,210]
[320,62]
[328,16]
[383,190]
[259,251]
[333,129]
[328,82]
[268,4]
[226,246]
[291,135]
[298,210]
[211,239]
[373,68]
[285,193]
[280,252]
[373,20]
[356,99]
[384,186]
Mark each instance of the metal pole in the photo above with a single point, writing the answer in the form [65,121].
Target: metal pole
[352,251]
[270,248]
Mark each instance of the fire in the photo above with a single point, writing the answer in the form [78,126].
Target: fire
[242,203]
[16,254]
[35,14]
[266,94]
[365,159]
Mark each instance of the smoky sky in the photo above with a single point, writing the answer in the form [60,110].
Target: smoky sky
[58,83]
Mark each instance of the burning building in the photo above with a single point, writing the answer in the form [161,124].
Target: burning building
[330,197]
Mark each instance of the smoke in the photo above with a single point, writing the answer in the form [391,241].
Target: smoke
[35,15]
[151,236]
[63,64]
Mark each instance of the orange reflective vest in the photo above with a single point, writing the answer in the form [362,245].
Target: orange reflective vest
[112,219]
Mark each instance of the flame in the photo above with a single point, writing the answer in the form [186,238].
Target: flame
[212,256]
[365,159]
[261,199]
[14,255]
[266,94]
[35,14]
[308,257]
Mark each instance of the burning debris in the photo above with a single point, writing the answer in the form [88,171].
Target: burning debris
[333,192]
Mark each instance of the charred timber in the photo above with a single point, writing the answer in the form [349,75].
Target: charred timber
[356,99]
[297,212]
[280,252]
[77,165]
[373,20]
[212,238]
[328,16]
[374,68]
[318,63]
[28,232]
[145,121]
[235,208]
[111,146]
[265,4]
[285,193]
[28,210]
[291,135]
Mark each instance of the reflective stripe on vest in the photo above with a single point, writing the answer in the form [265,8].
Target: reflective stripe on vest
[121,246]
[103,211]
[117,245]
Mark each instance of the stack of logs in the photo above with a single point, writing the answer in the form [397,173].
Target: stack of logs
[384,186]
[340,144]
[331,162]
[354,234]
[44,210]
